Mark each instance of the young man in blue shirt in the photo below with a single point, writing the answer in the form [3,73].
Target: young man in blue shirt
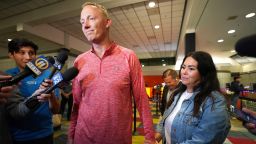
[35,127]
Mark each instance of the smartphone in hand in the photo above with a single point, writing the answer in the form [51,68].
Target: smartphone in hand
[245,116]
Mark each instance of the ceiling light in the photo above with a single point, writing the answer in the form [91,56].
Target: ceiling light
[220,40]
[233,51]
[231,31]
[9,39]
[250,15]
[164,64]
[157,26]
[142,65]
[151,4]
[162,59]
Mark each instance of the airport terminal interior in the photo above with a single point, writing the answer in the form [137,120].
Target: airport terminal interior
[160,32]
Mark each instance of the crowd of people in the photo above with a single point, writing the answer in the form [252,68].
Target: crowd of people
[101,95]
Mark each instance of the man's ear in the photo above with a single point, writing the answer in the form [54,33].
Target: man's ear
[109,23]
[10,55]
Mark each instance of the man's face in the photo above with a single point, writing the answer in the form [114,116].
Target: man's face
[94,24]
[170,82]
[24,55]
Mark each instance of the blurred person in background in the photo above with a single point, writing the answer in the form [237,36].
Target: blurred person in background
[171,81]
[236,87]
[66,98]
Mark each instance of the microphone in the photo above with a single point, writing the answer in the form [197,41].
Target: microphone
[59,61]
[35,67]
[246,46]
[59,80]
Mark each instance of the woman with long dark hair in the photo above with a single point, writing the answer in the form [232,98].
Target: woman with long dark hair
[196,111]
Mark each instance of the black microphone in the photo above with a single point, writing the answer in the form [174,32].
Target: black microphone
[246,46]
[59,61]
[59,80]
[34,67]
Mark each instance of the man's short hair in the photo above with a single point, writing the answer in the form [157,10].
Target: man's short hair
[16,44]
[101,7]
[236,77]
[170,72]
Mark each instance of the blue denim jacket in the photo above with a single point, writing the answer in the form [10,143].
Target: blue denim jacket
[211,127]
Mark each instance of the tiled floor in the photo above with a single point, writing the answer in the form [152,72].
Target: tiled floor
[237,135]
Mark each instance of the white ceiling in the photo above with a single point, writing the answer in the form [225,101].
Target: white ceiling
[55,23]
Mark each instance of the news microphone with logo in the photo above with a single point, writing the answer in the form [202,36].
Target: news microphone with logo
[34,67]
[59,61]
[59,80]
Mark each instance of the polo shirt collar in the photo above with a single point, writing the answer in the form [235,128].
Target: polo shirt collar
[109,50]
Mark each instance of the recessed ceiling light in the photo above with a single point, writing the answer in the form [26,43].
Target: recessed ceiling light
[151,4]
[162,59]
[220,40]
[250,15]
[157,26]
[231,31]
[9,39]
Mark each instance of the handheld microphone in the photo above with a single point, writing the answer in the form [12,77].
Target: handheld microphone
[246,46]
[59,61]
[35,67]
[59,80]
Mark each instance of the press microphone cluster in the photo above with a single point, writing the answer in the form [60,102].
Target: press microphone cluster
[59,80]
[34,67]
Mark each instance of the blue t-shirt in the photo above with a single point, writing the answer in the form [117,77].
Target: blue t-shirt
[37,124]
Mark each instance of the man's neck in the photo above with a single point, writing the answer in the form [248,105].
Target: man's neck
[21,69]
[101,48]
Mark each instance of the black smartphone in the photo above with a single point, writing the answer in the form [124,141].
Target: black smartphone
[244,116]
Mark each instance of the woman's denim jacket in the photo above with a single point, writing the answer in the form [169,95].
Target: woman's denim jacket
[210,127]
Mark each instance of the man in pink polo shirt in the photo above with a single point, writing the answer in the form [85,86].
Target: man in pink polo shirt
[109,75]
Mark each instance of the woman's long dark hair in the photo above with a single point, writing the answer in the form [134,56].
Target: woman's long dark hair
[209,81]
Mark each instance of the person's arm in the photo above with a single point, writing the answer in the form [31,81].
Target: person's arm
[163,100]
[66,95]
[214,123]
[141,98]
[5,92]
[16,108]
[77,92]
[13,102]
[251,127]
[160,129]
[54,103]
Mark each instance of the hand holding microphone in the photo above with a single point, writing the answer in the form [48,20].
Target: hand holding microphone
[43,97]
[34,67]
[58,80]
[5,92]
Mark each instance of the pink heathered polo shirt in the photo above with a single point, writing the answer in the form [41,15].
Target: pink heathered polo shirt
[103,89]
